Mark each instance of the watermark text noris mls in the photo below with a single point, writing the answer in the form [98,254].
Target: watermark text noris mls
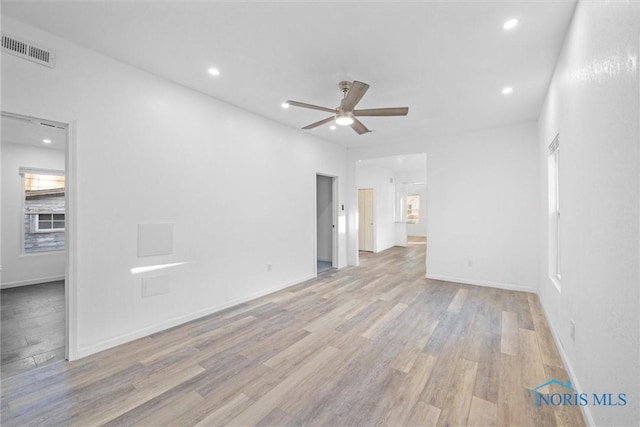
[572,398]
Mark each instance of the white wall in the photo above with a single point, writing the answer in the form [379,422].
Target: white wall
[482,205]
[19,268]
[593,104]
[324,209]
[150,151]
[383,183]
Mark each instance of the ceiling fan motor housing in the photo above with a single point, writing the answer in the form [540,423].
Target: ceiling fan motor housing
[345,86]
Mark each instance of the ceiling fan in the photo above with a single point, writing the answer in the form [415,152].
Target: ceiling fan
[346,114]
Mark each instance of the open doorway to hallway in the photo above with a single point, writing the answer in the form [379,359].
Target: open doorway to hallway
[326,218]
[33,250]
[399,204]
[416,213]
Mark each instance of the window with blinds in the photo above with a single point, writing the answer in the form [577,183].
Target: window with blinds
[44,210]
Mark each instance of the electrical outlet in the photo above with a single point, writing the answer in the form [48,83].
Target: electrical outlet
[572,330]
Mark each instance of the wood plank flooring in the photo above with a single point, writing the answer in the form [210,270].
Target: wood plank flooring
[32,327]
[372,345]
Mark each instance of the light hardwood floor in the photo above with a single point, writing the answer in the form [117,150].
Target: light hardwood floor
[373,345]
[32,327]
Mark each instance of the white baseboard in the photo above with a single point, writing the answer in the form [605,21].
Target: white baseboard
[141,333]
[586,411]
[507,286]
[31,282]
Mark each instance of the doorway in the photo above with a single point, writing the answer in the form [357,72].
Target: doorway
[365,219]
[35,240]
[326,217]
[387,184]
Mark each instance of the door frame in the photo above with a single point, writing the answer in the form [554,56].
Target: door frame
[335,215]
[71,268]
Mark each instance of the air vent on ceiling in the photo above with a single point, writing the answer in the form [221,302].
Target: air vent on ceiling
[50,125]
[27,50]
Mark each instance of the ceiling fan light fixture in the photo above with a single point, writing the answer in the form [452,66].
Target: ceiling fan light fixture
[344,119]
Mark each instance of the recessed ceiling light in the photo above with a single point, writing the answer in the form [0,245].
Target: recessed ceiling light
[214,71]
[511,23]
[507,90]
[46,141]
[285,105]
[332,127]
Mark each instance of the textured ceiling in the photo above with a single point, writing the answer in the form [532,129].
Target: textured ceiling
[447,61]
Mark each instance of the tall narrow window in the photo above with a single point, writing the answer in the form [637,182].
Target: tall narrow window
[554,211]
[44,211]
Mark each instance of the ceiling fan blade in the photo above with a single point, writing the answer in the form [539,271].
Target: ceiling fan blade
[393,111]
[320,123]
[354,95]
[359,127]
[313,107]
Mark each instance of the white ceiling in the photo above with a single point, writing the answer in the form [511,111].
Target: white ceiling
[447,61]
[399,164]
[32,132]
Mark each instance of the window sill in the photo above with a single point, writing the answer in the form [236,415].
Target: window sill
[31,254]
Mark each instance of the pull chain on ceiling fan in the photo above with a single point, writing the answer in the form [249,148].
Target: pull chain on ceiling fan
[346,114]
